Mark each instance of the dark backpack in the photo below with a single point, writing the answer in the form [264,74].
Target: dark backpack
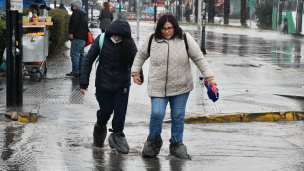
[151,37]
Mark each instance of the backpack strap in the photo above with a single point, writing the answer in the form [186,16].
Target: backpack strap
[101,40]
[186,42]
[151,38]
[150,41]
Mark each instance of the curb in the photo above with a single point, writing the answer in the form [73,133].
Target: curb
[248,117]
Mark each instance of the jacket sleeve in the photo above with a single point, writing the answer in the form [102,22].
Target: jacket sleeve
[88,62]
[141,56]
[198,58]
[74,22]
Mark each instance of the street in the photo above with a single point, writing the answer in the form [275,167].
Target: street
[256,71]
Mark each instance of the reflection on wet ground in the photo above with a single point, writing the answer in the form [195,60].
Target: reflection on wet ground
[284,53]
[62,140]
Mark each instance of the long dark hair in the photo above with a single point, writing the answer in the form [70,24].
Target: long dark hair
[106,6]
[161,22]
[126,52]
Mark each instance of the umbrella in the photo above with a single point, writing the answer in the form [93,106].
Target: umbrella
[212,91]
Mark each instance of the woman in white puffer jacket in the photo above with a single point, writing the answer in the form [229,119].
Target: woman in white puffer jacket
[170,80]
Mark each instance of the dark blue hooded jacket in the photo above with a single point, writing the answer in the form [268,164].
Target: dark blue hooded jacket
[109,75]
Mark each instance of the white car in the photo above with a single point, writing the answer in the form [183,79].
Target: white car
[70,12]
[217,20]
[95,14]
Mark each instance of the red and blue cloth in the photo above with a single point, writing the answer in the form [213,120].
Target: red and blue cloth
[212,91]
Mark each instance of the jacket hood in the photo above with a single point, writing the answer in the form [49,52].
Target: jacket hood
[119,27]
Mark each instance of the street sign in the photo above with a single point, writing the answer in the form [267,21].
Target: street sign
[250,3]
[172,4]
[126,3]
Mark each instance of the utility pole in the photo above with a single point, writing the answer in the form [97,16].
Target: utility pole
[14,77]
[138,3]
[193,11]
[119,15]
[155,6]
[199,22]
[203,48]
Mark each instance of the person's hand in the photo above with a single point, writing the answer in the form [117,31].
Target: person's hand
[212,82]
[83,90]
[71,36]
[137,80]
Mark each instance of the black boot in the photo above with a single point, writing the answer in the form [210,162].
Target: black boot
[118,141]
[152,146]
[179,150]
[99,135]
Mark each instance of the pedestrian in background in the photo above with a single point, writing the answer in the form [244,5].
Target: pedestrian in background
[170,80]
[105,17]
[113,80]
[34,9]
[188,12]
[78,34]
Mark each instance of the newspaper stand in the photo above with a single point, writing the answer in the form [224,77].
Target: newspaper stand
[35,48]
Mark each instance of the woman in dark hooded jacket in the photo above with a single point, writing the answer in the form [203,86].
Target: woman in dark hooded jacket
[113,80]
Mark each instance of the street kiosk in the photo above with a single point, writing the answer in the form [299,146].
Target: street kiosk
[35,48]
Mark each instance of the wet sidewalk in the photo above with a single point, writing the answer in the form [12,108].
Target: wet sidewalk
[62,138]
[246,84]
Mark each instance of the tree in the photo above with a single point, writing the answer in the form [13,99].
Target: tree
[263,11]
[244,12]
[211,11]
[226,11]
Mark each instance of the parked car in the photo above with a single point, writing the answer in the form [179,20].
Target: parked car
[217,20]
[95,14]
[68,8]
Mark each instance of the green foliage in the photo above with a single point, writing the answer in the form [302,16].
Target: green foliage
[2,24]
[58,33]
[263,11]
[2,38]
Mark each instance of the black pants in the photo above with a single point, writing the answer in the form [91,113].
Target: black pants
[110,101]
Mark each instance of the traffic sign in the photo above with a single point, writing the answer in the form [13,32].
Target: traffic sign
[172,4]
[250,3]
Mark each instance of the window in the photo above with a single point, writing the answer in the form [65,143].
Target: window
[286,5]
[293,5]
[275,3]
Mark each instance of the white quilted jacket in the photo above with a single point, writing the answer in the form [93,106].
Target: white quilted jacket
[170,71]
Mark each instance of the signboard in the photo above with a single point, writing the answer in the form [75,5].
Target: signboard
[172,4]
[126,3]
[250,3]
[16,5]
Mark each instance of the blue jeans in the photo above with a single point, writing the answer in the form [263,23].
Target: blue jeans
[178,106]
[77,54]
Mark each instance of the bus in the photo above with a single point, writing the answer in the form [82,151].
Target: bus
[287,16]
